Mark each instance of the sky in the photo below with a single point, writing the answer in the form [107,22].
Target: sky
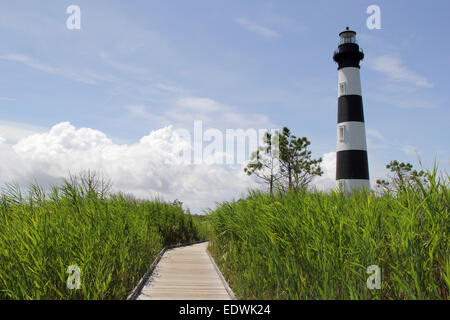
[113,95]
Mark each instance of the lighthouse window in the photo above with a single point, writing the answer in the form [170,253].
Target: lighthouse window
[342,87]
[341,133]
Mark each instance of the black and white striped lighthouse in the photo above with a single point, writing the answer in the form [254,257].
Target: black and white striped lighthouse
[352,167]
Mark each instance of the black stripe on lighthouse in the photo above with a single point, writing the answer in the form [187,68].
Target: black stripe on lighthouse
[350,108]
[352,164]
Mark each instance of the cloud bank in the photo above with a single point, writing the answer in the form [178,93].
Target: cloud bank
[151,167]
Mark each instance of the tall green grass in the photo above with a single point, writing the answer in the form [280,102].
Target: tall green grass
[113,240]
[313,245]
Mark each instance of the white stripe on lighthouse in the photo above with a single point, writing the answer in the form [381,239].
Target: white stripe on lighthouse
[350,184]
[349,81]
[351,135]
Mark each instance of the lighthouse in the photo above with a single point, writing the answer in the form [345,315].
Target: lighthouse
[352,167]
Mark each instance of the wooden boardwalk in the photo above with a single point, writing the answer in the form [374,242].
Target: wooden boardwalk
[186,273]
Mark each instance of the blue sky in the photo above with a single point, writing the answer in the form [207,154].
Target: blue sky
[137,67]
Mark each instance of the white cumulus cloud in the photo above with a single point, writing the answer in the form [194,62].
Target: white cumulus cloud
[153,166]
[327,180]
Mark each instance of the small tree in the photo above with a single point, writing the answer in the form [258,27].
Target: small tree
[94,182]
[297,164]
[87,184]
[263,162]
[177,203]
[401,176]
[284,162]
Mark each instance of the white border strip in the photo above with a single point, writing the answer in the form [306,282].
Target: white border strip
[225,283]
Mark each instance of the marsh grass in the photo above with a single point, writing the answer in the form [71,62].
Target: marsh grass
[314,245]
[112,239]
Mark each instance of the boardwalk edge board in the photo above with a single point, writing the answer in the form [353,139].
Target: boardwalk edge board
[141,284]
[222,278]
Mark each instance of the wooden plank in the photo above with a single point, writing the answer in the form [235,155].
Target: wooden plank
[185,273]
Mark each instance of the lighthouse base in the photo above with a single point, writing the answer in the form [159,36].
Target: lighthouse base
[348,185]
